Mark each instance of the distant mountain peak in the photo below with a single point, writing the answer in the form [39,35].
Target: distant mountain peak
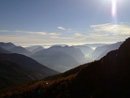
[7,45]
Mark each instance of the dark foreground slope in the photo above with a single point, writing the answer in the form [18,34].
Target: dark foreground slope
[16,68]
[106,78]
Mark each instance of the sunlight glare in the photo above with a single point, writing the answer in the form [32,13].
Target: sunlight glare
[114,9]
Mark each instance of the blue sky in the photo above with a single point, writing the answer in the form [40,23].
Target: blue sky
[47,22]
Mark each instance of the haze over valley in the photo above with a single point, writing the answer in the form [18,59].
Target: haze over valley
[64,49]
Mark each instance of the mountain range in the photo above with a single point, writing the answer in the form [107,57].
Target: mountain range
[14,49]
[60,58]
[17,68]
[108,77]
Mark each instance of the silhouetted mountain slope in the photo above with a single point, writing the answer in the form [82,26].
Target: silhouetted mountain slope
[14,49]
[60,58]
[103,50]
[107,78]
[16,68]
[12,74]
[20,50]
[2,50]
[7,46]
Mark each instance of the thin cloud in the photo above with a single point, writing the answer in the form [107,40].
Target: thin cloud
[41,33]
[4,31]
[20,31]
[78,34]
[115,29]
[55,34]
[61,28]
[29,32]
[98,33]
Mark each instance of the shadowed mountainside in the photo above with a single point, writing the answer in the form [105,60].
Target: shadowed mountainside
[14,49]
[2,50]
[20,50]
[108,77]
[7,46]
[16,68]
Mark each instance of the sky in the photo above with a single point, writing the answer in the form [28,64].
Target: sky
[72,22]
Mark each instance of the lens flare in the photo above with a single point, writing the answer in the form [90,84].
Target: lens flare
[114,11]
[114,16]
[114,8]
